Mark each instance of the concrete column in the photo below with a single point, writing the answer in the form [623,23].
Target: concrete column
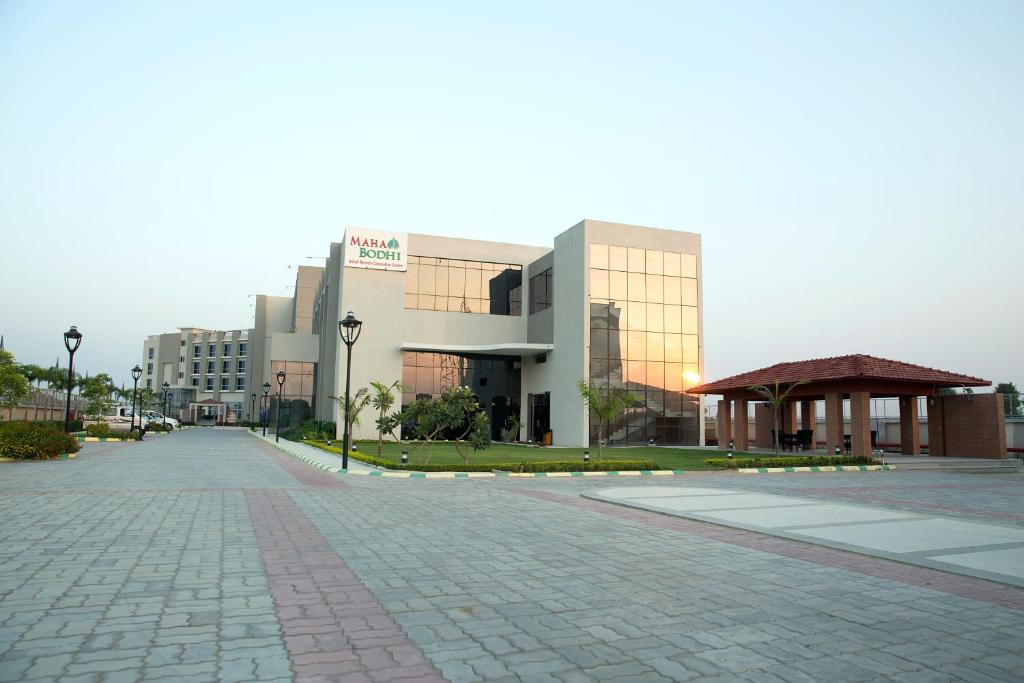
[787,417]
[860,422]
[741,425]
[936,426]
[833,422]
[763,424]
[910,432]
[808,415]
[724,424]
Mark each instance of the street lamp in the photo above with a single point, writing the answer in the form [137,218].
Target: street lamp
[277,421]
[167,399]
[72,340]
[136,374]
[252,408]
[349,328]
[263,411]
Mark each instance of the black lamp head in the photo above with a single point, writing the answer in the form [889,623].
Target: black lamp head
[350,328]
[72,339]
[166,386]
[280,377]
[136,373]
[266,388]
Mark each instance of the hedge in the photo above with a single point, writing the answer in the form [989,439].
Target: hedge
[34,441]
[790,461]
[551,466]
[99,429]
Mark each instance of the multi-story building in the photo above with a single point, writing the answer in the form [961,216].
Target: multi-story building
[208,372]
[617,305]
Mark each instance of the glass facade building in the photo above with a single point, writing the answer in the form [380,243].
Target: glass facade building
[644,338]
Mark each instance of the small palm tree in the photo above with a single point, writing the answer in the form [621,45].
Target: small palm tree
[383,400]
[357,402]
[776,397]
[605,405]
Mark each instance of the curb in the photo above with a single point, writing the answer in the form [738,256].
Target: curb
[392,474]
[818,468]
[94,439]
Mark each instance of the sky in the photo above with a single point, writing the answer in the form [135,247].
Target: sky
[854,169]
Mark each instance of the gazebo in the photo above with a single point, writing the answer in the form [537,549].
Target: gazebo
[206,408]
[968,425]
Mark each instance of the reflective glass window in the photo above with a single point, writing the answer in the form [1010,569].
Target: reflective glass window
[637,260]
[441,284]
[617,259]
[599,256]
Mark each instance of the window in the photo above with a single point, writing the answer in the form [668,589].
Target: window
[195,381]
[541,292]
[195,367]
[209,384]
[225,366]
[195,351]
[149,368]
[457,286]
[240,384]
[151,353]
[183,342]
[212,350]
[181,375]
[225,383]
[227,350]
[241,366]
[211,367]
[149,384]
[242,348]
[182,359]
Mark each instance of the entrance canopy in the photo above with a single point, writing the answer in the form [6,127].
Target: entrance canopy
[880,377]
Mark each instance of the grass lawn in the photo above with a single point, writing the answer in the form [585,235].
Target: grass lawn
[445,453]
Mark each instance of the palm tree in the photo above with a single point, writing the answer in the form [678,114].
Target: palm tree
[357,402]
[383,399]
[777,398]
[605,405]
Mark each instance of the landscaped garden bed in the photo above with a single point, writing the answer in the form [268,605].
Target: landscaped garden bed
[21,440]
[789,461]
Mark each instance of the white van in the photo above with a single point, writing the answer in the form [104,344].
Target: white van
[158,418]
[120,419]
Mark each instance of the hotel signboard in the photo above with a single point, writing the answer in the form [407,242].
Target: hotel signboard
[376,249]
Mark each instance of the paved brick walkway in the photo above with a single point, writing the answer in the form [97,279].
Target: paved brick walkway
[207,555]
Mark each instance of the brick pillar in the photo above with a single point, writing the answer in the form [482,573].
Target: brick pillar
[910,432]
[741,425]
[936,426]
[809,419]
[763,425]
[724,424]
[860,422]
[833,422]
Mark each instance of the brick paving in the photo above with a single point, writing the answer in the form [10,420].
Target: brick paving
[208,556]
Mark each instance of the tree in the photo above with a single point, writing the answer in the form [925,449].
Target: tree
[357,402]
[13,384]
[1012,401]
[32,372]
[96,391]
[777,398]
[383,400]
[457,412]
[605,405]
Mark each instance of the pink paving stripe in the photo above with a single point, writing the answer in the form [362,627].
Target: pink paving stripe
[334,628]
[954,584]
[305,474]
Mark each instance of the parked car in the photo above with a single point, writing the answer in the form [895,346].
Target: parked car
[120,418]
[159,418]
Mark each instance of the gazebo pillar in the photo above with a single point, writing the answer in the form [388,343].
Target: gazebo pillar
[724,424]
[787,420]
[809,418]
[833,421]
[763,424]
[910,432]
[860,422]
[741,425]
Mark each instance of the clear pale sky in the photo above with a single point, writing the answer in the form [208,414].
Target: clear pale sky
[855,169]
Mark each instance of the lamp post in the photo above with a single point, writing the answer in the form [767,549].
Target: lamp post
[263,411]
[167,398]
[277,420]
[72,340]
[136,374]
[252,408]
[349,328]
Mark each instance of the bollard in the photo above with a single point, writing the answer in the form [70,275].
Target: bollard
[586,456]
[405,457]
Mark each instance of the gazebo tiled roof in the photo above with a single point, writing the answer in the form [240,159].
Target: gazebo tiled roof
[841,368]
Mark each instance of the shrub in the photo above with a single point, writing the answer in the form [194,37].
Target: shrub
[34,441]
[316,430]
[76,425]
[100,429]
[791,461]
[156,427]
[552,466]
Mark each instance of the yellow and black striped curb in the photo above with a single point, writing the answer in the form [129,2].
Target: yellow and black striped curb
[61,456]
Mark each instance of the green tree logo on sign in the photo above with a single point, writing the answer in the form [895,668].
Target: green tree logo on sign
[392,243]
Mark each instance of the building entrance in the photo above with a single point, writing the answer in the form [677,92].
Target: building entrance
[540,416]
